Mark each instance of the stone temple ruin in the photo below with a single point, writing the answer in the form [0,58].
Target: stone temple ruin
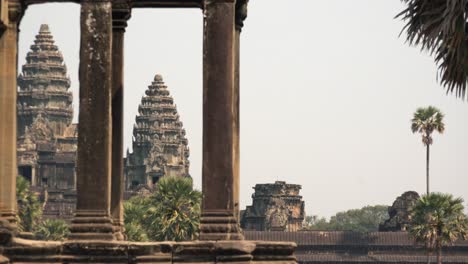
[160,147]
[275,207]
[399,212]
[97,234]
[47,139]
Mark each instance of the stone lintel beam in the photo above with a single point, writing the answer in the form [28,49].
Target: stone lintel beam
[121,12]
[219,218]
[11,12]
[136,3]
[92,220]
[167,3]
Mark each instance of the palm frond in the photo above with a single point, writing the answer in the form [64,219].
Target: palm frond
[441,27]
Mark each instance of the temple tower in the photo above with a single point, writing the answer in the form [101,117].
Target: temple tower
[47,139]
[44,86]
[159,143]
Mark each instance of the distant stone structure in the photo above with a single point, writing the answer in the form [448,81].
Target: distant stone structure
[160,147]
[47,139]
[400,212]
[275,207]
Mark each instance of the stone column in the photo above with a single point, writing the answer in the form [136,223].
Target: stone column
[219,220]
[92,220]
[241,15]
[120,15]
[11,13]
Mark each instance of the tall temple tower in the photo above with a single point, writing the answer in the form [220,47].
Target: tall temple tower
[160,147]
[47,139]
[44,86]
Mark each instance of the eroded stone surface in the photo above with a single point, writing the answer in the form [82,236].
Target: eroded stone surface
[275,207]
[400,212]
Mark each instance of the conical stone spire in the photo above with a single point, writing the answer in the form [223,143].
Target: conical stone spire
[44,85]
[160,147]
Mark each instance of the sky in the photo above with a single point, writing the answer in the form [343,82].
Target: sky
[328,89]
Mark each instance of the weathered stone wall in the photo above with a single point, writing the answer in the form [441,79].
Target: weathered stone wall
[275,207]
[399,212]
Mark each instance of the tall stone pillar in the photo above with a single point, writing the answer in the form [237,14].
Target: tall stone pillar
[241,15]
[219,220]
[11,13]
[92,220]
[120,15]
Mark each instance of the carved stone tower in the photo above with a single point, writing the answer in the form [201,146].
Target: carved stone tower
[275,207]
[44,86]
[47,139]
[159,143]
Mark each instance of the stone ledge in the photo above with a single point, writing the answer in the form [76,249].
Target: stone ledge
[206,252]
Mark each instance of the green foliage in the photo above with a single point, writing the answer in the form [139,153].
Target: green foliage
[52,229]
[427,120]
[135,210]
[29,206]
[438,220]
[440,26]
[172,212]
[136,232]
[366,219]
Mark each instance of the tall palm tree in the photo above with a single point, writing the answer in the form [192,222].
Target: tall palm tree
[441,27]
[437,220]
[425,121]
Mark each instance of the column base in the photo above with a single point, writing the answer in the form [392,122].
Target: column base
[119,230]
[219,225]
[91,225]
[8,227]
[8,215]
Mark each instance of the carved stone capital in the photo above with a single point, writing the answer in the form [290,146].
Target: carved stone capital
[241,13]
[121,13]
[15,11]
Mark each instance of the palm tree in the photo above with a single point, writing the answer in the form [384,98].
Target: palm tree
[135,211]
[29,206]
[425,121]
[441,27]
[172,212]
[175,212]
[437,220]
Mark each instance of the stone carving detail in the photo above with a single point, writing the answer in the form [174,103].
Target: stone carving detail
[276,207]
[40,130]
[159,146]
[400,212]
[47,139]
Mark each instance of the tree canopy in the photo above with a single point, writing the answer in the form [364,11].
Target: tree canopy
[438,220]
[427,120]
[366,219]
[172,212]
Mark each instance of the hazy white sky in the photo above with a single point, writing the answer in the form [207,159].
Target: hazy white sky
[327,93]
